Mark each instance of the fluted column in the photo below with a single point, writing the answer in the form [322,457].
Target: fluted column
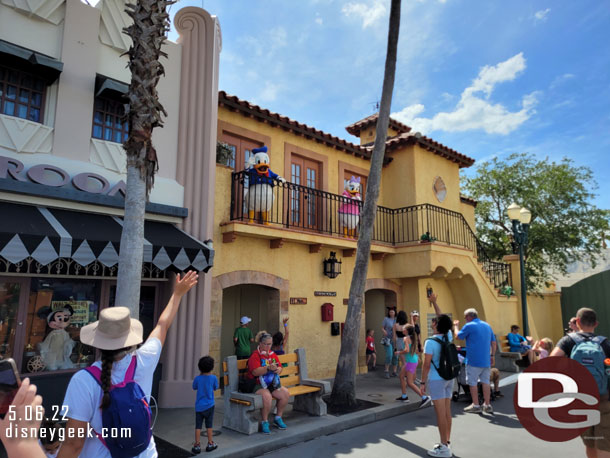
[188,339]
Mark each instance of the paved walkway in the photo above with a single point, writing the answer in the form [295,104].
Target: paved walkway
[177,425]
[411,435]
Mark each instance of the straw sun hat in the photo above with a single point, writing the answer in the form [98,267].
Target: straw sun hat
[115,329]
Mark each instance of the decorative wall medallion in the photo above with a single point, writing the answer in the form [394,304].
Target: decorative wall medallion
[440,190]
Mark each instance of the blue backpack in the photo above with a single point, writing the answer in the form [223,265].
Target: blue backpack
[588,351]
[128,409]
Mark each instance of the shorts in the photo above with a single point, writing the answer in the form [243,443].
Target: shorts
[523,350]
[598,436]
[440,389]
[475,374]
[411,367]
[370,352]
[270,387]
[208,415]
[400,344]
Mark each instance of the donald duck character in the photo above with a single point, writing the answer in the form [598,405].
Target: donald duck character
[261,180]
[349,212]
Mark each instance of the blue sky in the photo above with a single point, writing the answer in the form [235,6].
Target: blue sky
[485,77]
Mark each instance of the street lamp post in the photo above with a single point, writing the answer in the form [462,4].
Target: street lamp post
[521,217]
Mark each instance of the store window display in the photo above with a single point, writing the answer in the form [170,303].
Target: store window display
[9,307]
[57,310]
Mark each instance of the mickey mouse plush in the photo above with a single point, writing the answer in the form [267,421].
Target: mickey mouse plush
[56,348]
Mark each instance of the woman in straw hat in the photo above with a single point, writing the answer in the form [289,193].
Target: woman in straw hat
[117,336]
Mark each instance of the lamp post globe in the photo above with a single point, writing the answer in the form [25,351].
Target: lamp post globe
[525,216]
[513,211]
[521,218]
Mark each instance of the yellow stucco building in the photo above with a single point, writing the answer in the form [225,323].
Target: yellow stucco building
[269,271]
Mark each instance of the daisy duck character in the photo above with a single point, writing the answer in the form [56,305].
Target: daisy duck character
[349,212]
[261,180]
[56,348]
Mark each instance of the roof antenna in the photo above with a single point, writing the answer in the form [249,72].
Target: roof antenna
[375,105]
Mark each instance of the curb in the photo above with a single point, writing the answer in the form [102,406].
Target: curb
[322,426]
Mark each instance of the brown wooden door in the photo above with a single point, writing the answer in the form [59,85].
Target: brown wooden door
[305,203]
[242,151]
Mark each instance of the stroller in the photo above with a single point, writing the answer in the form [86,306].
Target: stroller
[462,385]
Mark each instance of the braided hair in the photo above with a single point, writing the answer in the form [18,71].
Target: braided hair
[108,358]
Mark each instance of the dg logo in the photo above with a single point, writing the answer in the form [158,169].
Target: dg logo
[556,399]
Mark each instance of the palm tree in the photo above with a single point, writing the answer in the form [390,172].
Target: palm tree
[344,387]
[148,32]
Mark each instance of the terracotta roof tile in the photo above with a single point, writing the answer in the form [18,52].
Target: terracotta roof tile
[246,108]
[357,127]
[468,200]
[410,138]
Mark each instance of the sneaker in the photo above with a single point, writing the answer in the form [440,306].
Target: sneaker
[279,423]
[394,374]
[498,394]
[196,450]
[473,409]
[425,400]
[405,399]
[386,374]
[488,408]
[440,450]
[265,427]
[211,447]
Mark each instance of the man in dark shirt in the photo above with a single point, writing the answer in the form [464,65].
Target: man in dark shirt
[596,438]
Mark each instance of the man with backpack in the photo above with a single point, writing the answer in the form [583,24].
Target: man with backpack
[441,366]
[591,350]
[480,356]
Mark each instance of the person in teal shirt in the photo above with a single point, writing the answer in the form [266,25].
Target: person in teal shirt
[242,338]
[520,344]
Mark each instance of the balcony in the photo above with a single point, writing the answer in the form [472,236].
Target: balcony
[296,207]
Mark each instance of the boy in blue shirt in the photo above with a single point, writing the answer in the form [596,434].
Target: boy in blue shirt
[205,384]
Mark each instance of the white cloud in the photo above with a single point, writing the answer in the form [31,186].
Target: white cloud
[319,19]
[541,15]
[369,12]
[269,93]
[490,76]
[475,112]
[561,79]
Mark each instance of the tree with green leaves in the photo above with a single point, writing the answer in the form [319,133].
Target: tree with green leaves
[344,386]
[566,226]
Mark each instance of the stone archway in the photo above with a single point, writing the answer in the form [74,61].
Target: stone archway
[378,294]
[236,278]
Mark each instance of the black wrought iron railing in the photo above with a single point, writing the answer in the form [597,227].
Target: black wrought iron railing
[292,205]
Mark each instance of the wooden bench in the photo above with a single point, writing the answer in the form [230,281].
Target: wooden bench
[506,360]
[241,409]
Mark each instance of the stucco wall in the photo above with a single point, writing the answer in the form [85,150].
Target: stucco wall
[278,139]
[469,214]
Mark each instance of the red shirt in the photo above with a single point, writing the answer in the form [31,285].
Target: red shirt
[256,360]
[370,343]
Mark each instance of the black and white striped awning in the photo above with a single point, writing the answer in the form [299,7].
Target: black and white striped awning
[46,234]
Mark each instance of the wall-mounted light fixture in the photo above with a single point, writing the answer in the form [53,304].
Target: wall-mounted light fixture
[332,266]
[429,290]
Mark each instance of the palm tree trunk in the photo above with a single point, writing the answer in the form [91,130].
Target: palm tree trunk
[344,387]
[148,31]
